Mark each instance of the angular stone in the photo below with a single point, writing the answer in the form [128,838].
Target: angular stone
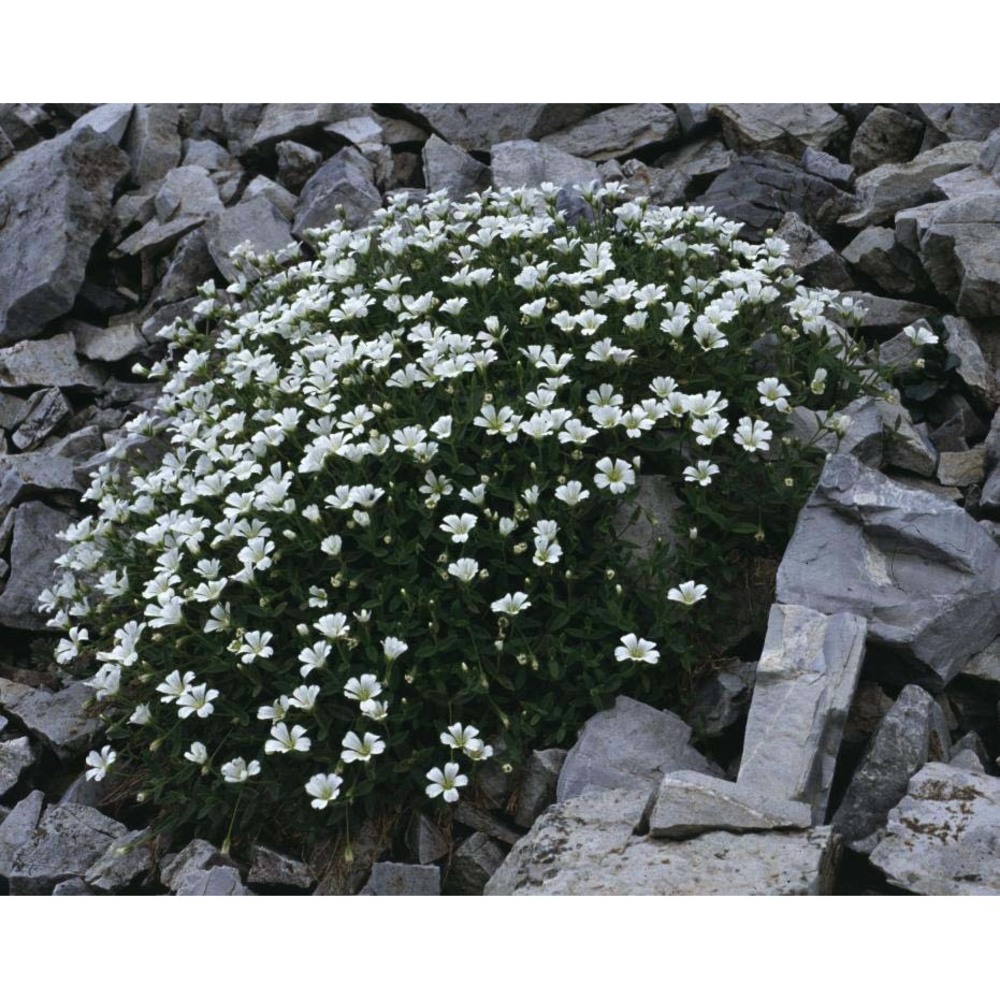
[974,370]
[964,183]
[661,187]
[73,887]
[970,744]
[524,162]
[479,127]
[617,132]
[221,881]
[912,732]
[760,188]
[723,699]
[885,136]
[57,718]
[298,121]
[32,557]
[362,130]
[629,746]
[66,842]
[345,181]
[54,201]
[943,839]
[390,879]
[153,142]
[16,756]
[967,760]
[781,128]
[44,411]
[960,251]
[449,167]
[806,678]
[196,856]
[257,221]
[208,154]
[283,200]
[815,161]
[125,861]
[646,517]
[296,164]
[473,864]
[587,846]
[961,468]
[692,116]
[6,146]
[275,870]
[689,803]
[239,123]
[811,256]
[985,665]
[923,573]
[537,790]
[425,840]
[875,253]
[894,186]
[961,121]
[50,362]
[187,191]
[17,828]
[468,814]
[156,238]
[118,340]
[882,313]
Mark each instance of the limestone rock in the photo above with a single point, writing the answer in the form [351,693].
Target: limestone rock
[16,756]
[18,827]
[425,839]
[390,879]
[298,121]
[523,162]
[723,700]
[473,864]
[54,201]
[57,718]
[187,191]
[921,571]
[943,839]
[44,411]
[296,164]
[629,746]
[126,860]
[196,856]
[815,161]
[780,128]
[347,180]
[811,256]
[806,678]
[277,871]
[220,881]
[961,121]
[153,142]
[450,167]
[257,221]
[876,254]
[885,136]
[537,790]
[617,132]
[961,468]
[646,518]
[912,732]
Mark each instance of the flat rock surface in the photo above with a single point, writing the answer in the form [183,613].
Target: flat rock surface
[56,717]
[943,838]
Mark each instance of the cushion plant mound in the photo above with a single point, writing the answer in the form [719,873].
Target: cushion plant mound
[382,530]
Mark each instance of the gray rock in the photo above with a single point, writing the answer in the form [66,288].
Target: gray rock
[390,879]
[692,117]
[780,128]
[449,167]
[964,183]
[274,870]
[156,238]
[815,161]
[345,181]
[66,842]
[208,154]
[220,881]
[472,865]
[124,862]
[646,519]
[257,221]
[961,468]
[723,699]
[469,814]
[921,571]
[22,476]
[44,411]
[760,188]
[617,132]
[537,790]
[56,198]
[961,121]
[120,339]
[894,186]
[187,191]
[974,369]
[523,162]
[18,827]
[299,121]
[700,159]
[153,142]
[806,678]
[689,803]
[629,746]
[73,887]
[6,146]
[16,756]
[960,251]
[361,131]
[989,158]
[197,856]
[425,839]
[811,256]
[883,314]
[885,136]
[32,557]
[875,253]
[943,839]
[967,760]
[985,665]
[660,187]
[282,199]
[479,127]
[110,120]
[587,846]
[296,164]
[22,122]
[970,744]
[239,123]
[55,717]
[913,732]
[900,353]
[50,362]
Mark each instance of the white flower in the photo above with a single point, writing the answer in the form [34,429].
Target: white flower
[511,604]
[333,626]
[818,384]
[505,526]
[304,697]
[198,754]
[277,710]
[572,493]
[919,336]
[282,740]
[323,788]
[106,681]
[375,710]
[464,570]
[752,435]
[392,648]
[456,736]
[687,593]
[441,428]
[141,716]
[174,685]
[363,688]
[254,645]
[702,473]
[98,763]
[634,648]
[773,393]
[445,782]
[314,658]
[710,428]
[476,749]
[360,749]
[197,700]
[458,526]
[238,770]
[615,476]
